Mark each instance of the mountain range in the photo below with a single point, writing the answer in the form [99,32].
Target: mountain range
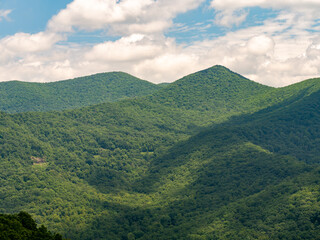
[211,156]
[17,96]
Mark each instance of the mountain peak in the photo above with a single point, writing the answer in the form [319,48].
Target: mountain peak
[217,78]
[219,68]
[211,89]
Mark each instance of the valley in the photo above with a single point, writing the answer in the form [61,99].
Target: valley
[210,156]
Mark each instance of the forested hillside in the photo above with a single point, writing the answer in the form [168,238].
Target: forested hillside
[210,156]
[22,226]
[18,96]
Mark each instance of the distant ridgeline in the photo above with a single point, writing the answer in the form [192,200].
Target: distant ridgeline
[210,156]
[22,226]
[16,96]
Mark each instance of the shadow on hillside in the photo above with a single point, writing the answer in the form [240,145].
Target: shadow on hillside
[289,128]
[227,174]
[196,179]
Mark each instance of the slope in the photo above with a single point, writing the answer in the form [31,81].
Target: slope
[105,87]
[290,127]
[246,178]
[216,91]
[22,226]
[140,168]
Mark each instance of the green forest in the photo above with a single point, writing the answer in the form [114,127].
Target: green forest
[17,96]
[210,156]
[22,226]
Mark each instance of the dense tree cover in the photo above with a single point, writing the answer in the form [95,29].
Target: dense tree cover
[174,165]
[22,226]
[18,96]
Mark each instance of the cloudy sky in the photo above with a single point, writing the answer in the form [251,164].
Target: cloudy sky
[269,41]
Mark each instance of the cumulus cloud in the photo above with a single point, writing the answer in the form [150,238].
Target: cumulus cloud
[25,42]
[277,52]
[4,14]
[131,48]
[123,17]
[167,66]
[140,25]
[260,45]
[281,51]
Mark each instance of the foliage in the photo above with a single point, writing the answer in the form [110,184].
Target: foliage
[211,156]
[22,226]
[18,96]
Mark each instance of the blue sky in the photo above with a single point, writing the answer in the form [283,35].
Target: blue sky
[29,16]
[32,16]
[272,42]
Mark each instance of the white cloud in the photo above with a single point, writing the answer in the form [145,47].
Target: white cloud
[278,52]
[132,48]
[124,17]
[228,18]
[167,67]
[24,42]
[260,45]
[140,24]
[4,14]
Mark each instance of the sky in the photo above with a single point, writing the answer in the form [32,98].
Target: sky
[276,43]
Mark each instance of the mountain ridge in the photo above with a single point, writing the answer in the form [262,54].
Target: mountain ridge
[193,160]
[219,81]
[17,96]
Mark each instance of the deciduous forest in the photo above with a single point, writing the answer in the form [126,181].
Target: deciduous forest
[210,156]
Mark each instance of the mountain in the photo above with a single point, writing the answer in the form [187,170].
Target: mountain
[253,177]
[216,91]
[210,156]
[212,88]
[18,96]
